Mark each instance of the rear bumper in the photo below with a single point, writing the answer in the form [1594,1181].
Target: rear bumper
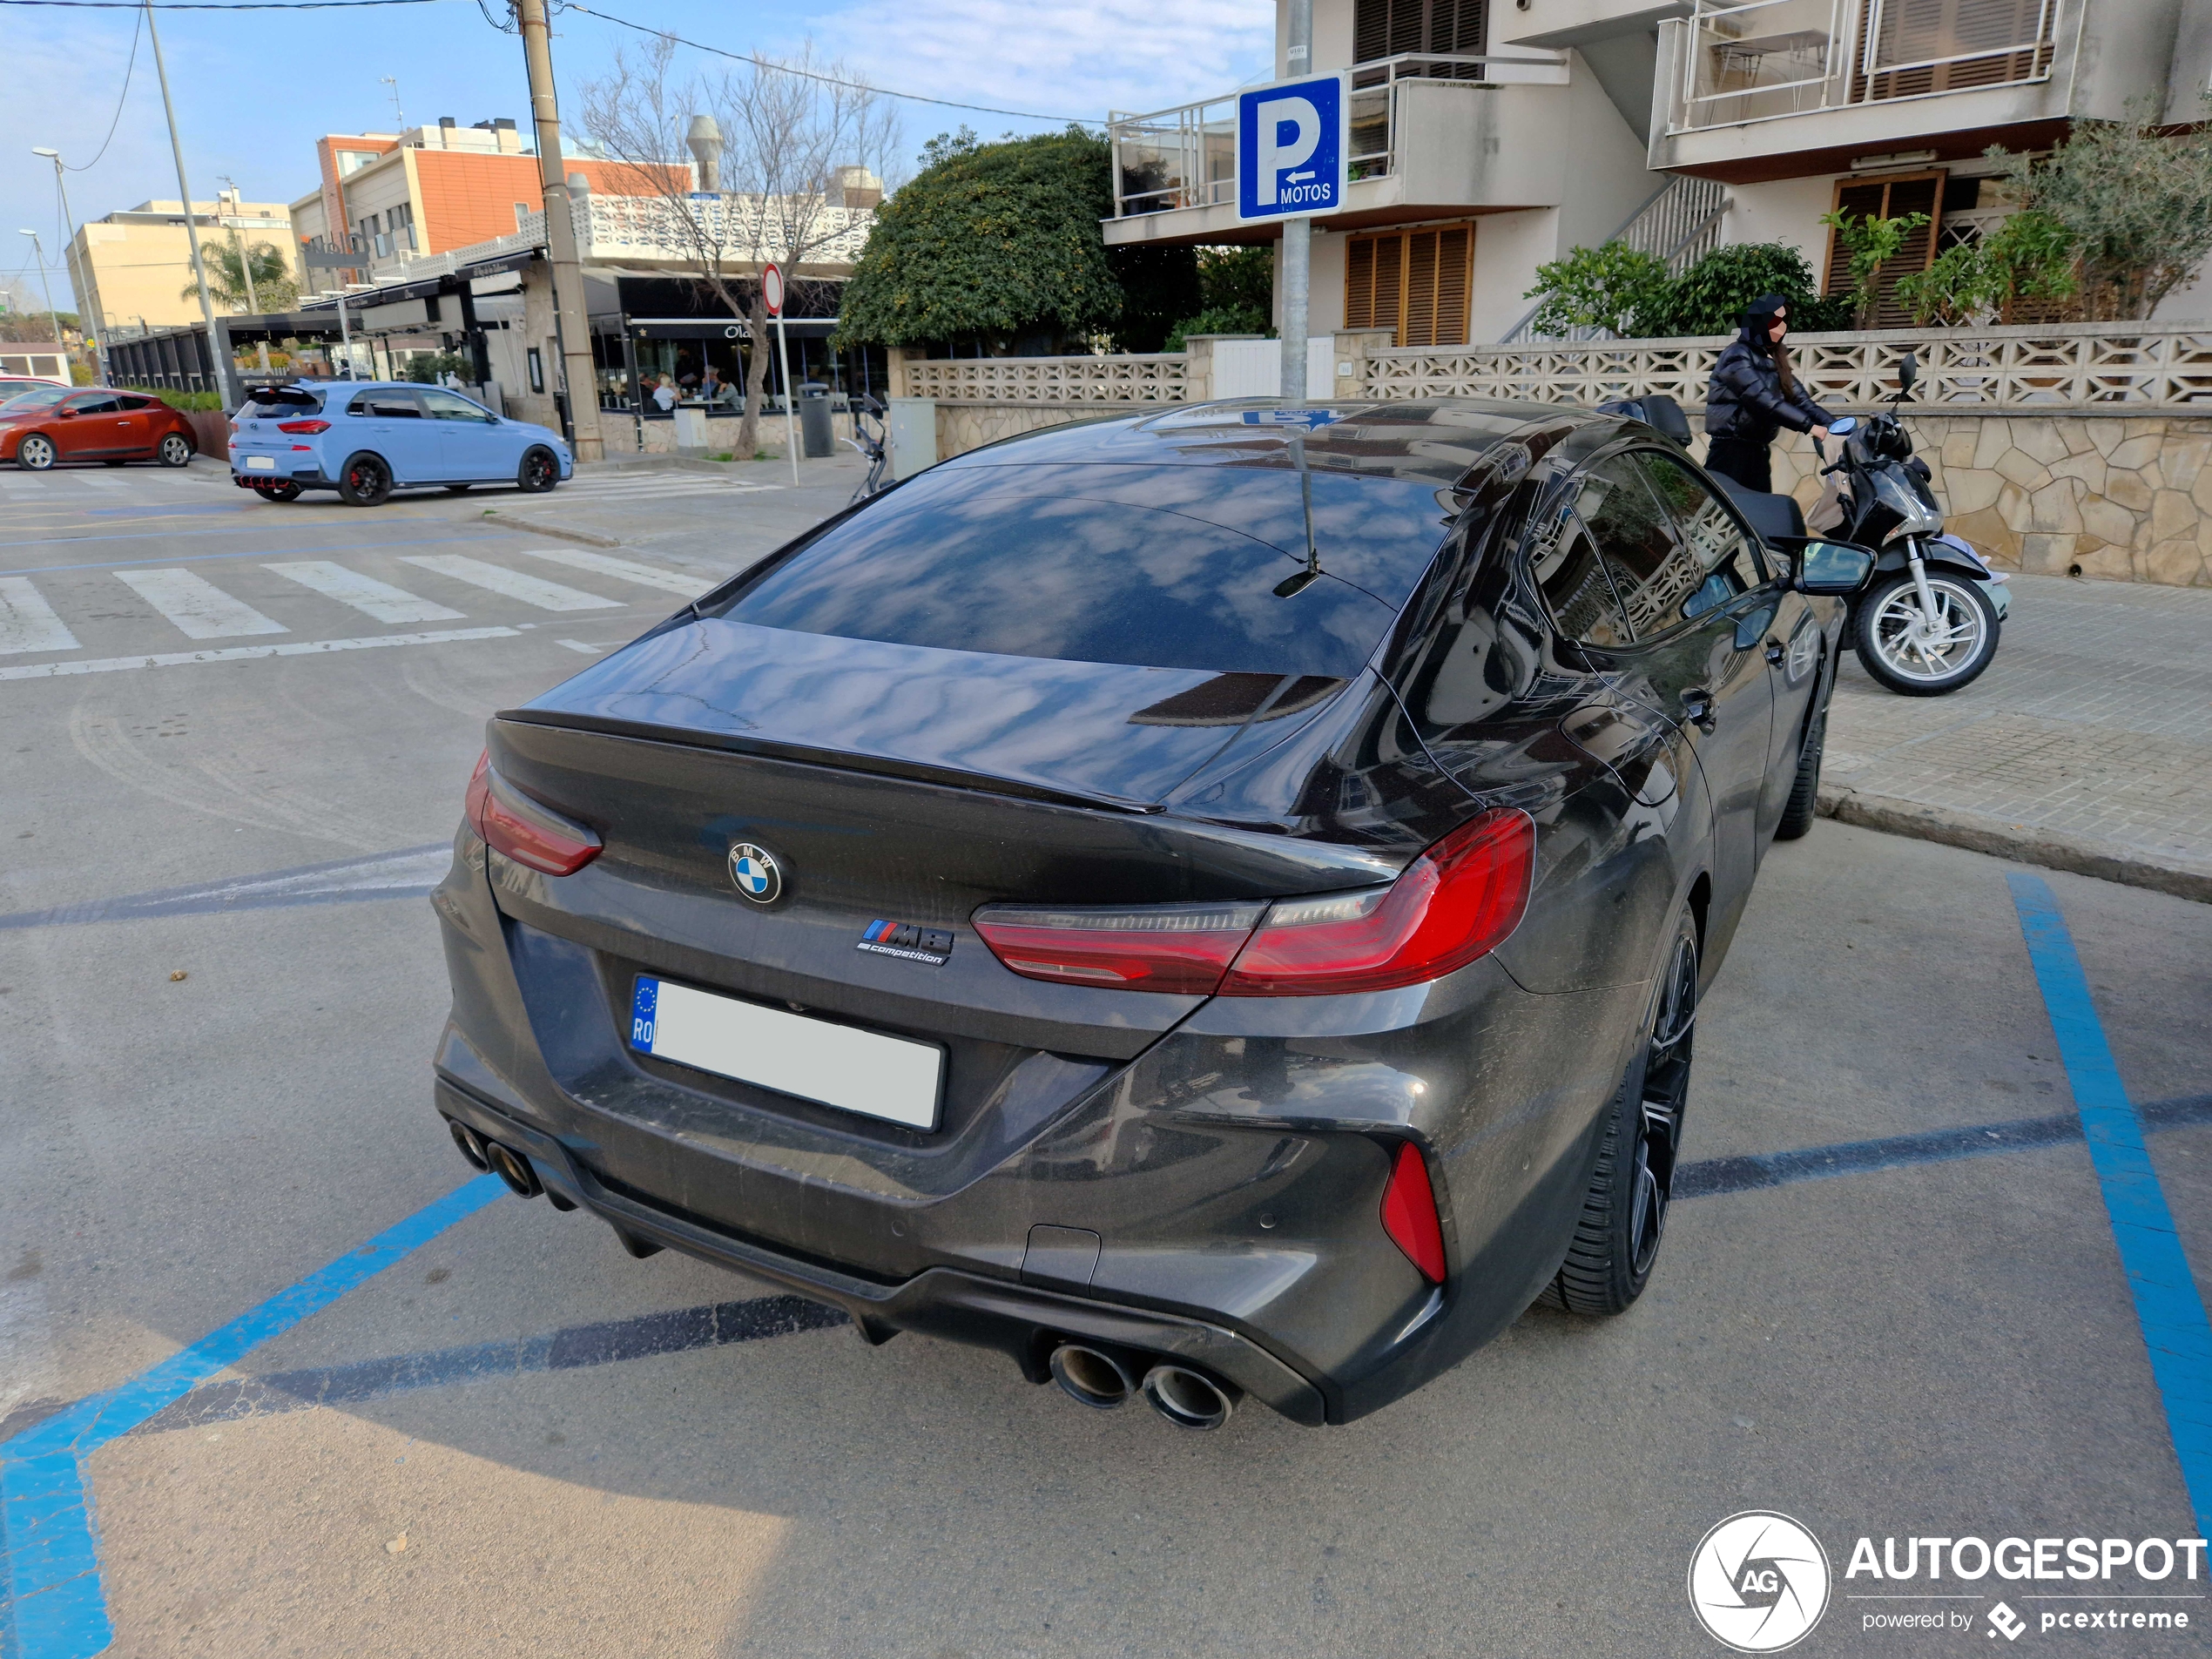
[1229,1178]
[1015,1319]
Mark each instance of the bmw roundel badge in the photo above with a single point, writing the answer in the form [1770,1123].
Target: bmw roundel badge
[758,875]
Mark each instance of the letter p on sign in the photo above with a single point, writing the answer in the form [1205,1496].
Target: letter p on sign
[1290,146]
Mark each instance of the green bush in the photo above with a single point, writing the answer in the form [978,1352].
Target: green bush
[189,400]
[1614,287]
[1709,297]
[1221,320]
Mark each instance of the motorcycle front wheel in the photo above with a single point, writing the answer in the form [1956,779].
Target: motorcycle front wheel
[1914,654]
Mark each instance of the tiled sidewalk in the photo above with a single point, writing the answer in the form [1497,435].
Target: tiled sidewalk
[2091,735]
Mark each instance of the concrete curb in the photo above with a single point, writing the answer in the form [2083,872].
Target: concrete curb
[2023,843]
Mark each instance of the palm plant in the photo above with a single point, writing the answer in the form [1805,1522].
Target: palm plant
[273,288]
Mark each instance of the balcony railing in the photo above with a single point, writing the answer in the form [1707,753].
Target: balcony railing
[1186,157]
[1753,60]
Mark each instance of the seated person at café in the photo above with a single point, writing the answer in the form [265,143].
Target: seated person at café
[665,395]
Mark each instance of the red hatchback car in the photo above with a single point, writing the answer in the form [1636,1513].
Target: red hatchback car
[93,423]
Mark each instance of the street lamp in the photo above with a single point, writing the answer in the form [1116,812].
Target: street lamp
[69,232]
[52,316]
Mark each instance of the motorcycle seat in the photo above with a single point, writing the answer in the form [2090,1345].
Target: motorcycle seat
[1771,515]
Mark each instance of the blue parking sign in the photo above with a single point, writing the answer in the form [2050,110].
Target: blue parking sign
[1291,145]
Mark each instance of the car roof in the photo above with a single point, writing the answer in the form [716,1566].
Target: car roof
[1430,441]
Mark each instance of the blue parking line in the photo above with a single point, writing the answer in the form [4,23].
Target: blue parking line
[56,1607]
[2168,1306]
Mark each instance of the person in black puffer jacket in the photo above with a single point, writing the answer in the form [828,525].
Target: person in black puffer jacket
[1753,393]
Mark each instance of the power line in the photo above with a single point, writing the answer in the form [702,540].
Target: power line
[137,29]
[216,5]
[785,69]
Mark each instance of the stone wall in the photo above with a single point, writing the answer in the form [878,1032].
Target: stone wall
[2121,498]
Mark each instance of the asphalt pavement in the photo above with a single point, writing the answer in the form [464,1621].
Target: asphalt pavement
[1891,1303]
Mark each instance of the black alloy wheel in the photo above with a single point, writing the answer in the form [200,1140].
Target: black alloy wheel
[175,451]
[1624,1212]
[539,472]
[364,480]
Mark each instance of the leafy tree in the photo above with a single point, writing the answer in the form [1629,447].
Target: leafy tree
[273,289]
[1710,297]
[1158,285]
[2136,203]
[1236,292]
[1869,242]
[988,242]
[2027,259]
[1614,287]
[1219,320]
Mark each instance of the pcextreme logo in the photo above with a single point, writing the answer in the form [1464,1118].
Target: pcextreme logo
[1759,1581]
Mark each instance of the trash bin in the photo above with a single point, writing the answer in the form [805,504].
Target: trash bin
[815,430]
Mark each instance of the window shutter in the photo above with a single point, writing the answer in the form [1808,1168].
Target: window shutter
[1359,283]
[1390,278]
[1888,199]
[1455,268]
[1419,327]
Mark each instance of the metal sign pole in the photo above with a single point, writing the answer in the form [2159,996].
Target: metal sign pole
[218,347]
[1298,233]
[790,401]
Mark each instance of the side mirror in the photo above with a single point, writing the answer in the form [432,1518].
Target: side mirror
[66,413]
[1836,569]
[1908,371]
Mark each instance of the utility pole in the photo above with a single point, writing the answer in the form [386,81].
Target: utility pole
[69,248]
[216,353]
[569,321]
[1298,233]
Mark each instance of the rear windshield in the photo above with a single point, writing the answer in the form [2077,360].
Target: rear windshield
[1158,567]
[287,404]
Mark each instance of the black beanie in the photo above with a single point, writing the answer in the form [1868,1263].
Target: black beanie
[1759,316]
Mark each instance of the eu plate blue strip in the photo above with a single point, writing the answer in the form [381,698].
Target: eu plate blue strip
[2168,1306]
[56,1608]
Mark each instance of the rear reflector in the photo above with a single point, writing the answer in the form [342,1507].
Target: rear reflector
[1181,948]
[1409,1214]
[512,825]
[1457,901]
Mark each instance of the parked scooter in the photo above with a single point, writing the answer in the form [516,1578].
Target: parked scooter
[1928,622]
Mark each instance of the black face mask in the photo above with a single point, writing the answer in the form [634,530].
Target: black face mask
[1758,319]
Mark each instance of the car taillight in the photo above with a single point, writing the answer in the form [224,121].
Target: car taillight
[1458,901]
[1183,948]
[1409,1213]
[307,427]
[522,830]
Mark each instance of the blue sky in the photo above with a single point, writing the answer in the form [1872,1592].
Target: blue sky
[254,90]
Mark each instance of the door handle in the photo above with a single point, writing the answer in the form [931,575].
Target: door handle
[1697,704]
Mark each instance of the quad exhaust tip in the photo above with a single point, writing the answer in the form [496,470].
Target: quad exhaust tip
[471,1142]
[1091,1376]
[1190,1399]
[513,1168]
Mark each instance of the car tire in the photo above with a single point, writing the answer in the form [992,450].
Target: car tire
[364,480]
[277,492]
[1624,1210]
[540,471]
[457,489]
[1804,789]
[1876,609]
[36,453]
[174,450]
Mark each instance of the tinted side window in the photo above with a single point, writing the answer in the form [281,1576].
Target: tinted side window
[130,402]
[390,405]
[1729,557]
[99,403]
[1567,568]
[1652,570]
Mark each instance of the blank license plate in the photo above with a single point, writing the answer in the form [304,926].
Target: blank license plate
[836,1065]
[261,464]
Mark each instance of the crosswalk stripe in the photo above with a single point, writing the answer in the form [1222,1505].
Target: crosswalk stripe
[379,599]
[244,653]
[546,596]
[27,622]
[674,581]
[199,609]
[93,480]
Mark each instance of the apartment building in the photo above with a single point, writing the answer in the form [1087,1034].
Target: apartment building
[1490,137]
[430,190]
[130,269]
[1797,107]
[1470,168]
